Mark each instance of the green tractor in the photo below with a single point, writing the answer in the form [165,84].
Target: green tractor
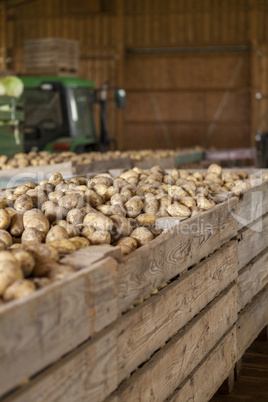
[58,115]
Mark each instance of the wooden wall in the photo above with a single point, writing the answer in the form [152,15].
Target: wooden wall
[206,93]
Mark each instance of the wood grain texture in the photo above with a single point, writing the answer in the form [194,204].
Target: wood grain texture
[39,329]
[166,370]
[253,205]
[252,240]
[204,381]
[251,320]
[88,373]
[174,251]
[143,330]
[252,279]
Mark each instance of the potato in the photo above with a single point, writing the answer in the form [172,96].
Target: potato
[43,267]
[134,206]
[188,202]
[41,282]
[118,199]
[195,211]
[21,190]
[80,242]
[101,189]
[25,260]
[10,271]
[179,210]
[35,219]
[122,227]
[5,219]
[56,233]
[23,203]
[127,245]
[215,169]
[146,220]
[60,272]
[75,216]
[176,192]
[92,198]
[2,246]
[71,201]
[63,246]
[87,231]
[151,205]
[53,212]
[203,203]
[142,236]
[18,289]
[32,236]
[42,252]
[55,179]
[100,237]
[3,203]
[126,192]
[38,197]
[98,221]
[5,238]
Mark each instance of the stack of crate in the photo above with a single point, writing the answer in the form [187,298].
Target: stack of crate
[168,322]
[51,56]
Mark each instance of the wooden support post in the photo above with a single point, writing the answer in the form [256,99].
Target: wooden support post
[238,368]
[228,385]
[3,44]
[120,70]
[254,74]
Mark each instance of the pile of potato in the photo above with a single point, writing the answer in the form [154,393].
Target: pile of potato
[43,158]
[39,223]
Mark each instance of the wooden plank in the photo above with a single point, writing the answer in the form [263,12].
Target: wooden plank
[251,320]
[99,166]
[174,251]
[36,172]
[88,373]
[166,370]
[143,330]
[253,205]
[202,384]
[252,279]
[252,240]
[51,322]
[165,163]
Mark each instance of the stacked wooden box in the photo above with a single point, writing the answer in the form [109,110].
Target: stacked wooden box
[51,56]
[169,321]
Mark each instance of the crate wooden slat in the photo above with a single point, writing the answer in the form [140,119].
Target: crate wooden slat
[204,381]
[49,323]
[252,279]
[252,240]
[251,320]
[174,251]
[93,367]
[172,364]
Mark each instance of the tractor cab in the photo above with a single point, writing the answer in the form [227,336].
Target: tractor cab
[59,114]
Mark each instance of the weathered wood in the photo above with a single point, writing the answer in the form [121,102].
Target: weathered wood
[39,329]
[251,320]
[252,279]
[35,173]
[228,384]
[174,251]
[201,385]
[143,330]
[86,374]
[166,370]
[252,240]
[100,166]
[252,205]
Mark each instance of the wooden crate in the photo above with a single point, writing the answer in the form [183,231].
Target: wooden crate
[51,56]
[168,321]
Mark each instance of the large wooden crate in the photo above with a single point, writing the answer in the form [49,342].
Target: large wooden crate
[51,56]
[166,322]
